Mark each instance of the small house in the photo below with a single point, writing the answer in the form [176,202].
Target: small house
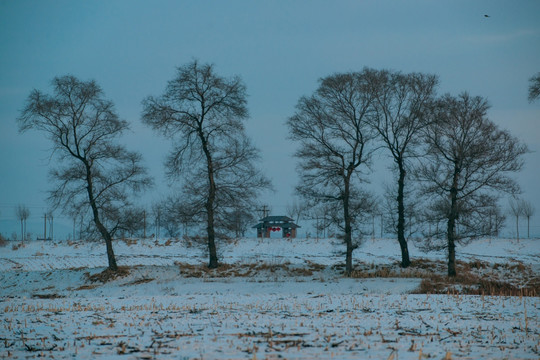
[271,224]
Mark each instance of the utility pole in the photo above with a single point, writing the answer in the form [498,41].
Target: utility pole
[51,226]
[382,225]
[373,227]
[45,226]
[144,224]
[158,224]
[264,211]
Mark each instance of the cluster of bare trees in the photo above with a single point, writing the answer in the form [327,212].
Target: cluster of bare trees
[460,161]
[22,213]
[444,150]
[201,112]
[521,208]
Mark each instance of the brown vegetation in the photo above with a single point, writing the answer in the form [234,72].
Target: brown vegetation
[285,269]
[108,274]
[476,277]
[3,241]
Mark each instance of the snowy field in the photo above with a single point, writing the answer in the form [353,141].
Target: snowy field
[272,298]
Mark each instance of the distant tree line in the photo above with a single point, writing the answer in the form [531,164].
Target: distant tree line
[450,161]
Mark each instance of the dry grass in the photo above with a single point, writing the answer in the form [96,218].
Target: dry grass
[129,241]
[108,275]
[419,268]
[3,241]
[47,296]
[474,278]
[481,278]
[17,246]
[225,270]
[87,287]
[468,284]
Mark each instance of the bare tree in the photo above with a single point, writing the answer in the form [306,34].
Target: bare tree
[94,171]
[467,165]
[237,220]
[401,105]
[297,209]
[50,220]
[495,222]
[516,209]
[320,214]
[203,113]
[22,213]
[335,146]
[534,87]
[157,215]
[528,210]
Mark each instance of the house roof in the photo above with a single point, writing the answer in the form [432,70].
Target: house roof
[279,221]
[276,219]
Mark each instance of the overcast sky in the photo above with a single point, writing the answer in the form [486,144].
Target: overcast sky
[279,48]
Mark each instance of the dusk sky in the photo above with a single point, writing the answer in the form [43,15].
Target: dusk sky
[279,48]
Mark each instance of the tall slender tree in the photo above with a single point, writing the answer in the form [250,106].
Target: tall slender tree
[528,210]
[94,171]
[401,106]
[467,165]
[516,209]
[22,213]
[203,113]
[335,147]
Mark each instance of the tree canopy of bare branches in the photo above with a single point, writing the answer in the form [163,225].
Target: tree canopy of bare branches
[521,207]
[335,147]
[203,113]
[534,87]
[468,163]
[400,112]
[93,170]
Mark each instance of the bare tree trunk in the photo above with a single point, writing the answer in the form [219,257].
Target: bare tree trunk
[213,263]
[348,229]
[405,260]
[210,229]
[451,229]
[102,230]
[451,249]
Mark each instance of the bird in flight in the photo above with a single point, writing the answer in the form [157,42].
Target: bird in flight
[486,15]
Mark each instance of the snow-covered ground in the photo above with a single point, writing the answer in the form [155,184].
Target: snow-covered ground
[272,298]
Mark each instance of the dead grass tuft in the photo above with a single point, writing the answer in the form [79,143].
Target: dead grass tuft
[139,281]
[17,246]
[47,296]
[108,275]
[129,241]
[87,287]
[3,241]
